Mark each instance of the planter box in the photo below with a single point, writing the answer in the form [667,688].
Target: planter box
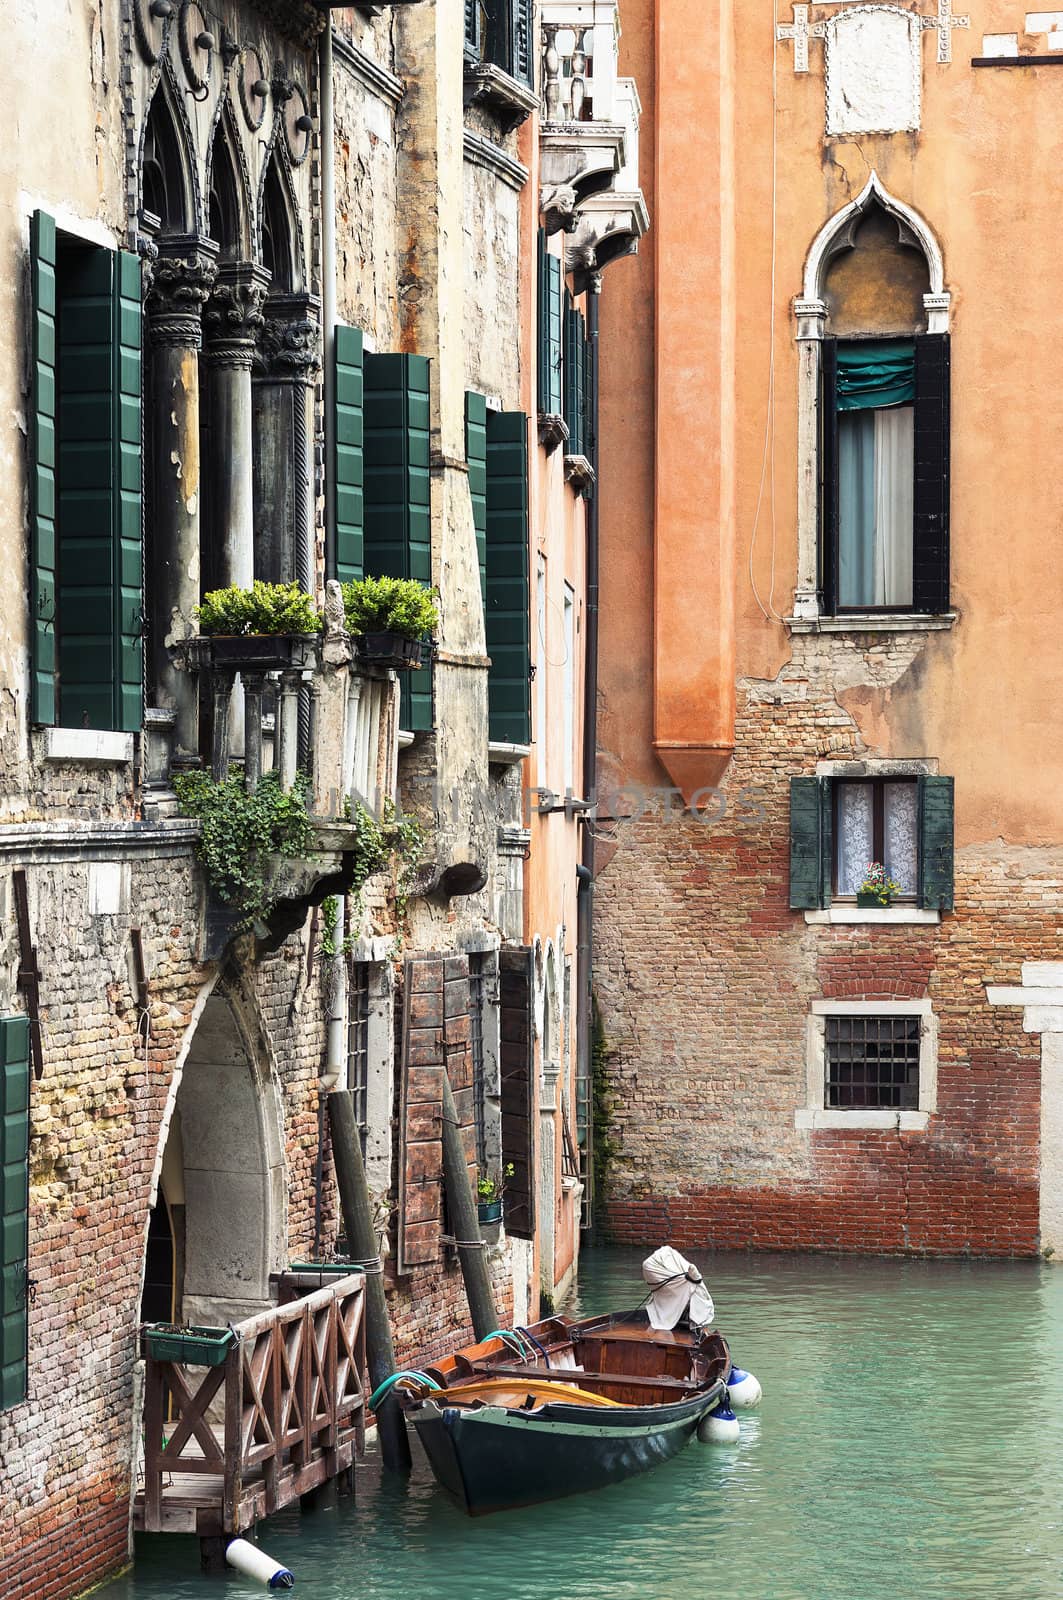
[262,652]
[871,902]
[192,1347]
[489,1210]
[390,650]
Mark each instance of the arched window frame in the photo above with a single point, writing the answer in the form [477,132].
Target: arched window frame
[810,313]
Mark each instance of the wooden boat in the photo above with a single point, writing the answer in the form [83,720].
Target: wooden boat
[564,1406]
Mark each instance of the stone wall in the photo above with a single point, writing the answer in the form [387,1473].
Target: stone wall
[705,978]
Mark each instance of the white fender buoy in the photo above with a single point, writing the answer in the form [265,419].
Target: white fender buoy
[743,1389]
[719,1427]
[255,1563]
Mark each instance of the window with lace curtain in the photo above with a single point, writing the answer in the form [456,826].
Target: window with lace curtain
[842,822]
[876,819]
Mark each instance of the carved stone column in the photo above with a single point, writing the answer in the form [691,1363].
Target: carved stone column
[286,364]
[182,279]
[231,324]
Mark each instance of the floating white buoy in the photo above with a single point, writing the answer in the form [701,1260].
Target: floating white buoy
[255,1563]
[743,1389]
[719,1427]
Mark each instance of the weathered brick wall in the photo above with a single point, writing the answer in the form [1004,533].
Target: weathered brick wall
[705,978]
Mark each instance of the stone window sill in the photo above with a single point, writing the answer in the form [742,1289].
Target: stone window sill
[553,430]
[900,623]
[89,746]
[816,1118]
[896,915]
[507,755]
[511,101]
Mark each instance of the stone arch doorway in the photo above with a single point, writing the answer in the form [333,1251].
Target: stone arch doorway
[221,1184]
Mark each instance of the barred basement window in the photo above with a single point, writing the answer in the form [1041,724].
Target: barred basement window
[477,1000]
[872,1061]
[358,1045]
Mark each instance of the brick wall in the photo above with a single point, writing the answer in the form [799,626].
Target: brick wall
[705,978]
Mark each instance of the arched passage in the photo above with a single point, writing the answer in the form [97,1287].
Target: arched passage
[222,1176]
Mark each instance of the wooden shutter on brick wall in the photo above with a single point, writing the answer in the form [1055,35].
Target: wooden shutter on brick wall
[810,843]
[930,558]
[936,827]
[420,1196]
[828,475]
[398,511]
[515,988]
[476,458]
[42,586]
[348,459]
[99,483]
[14,1208]
[508,587]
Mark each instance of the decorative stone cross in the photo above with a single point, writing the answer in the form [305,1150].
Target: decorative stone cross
[944,22]
[798,32]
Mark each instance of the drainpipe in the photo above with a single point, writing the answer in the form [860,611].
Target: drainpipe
[585,872]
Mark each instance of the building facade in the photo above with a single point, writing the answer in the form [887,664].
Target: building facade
[828,639]
[292,296]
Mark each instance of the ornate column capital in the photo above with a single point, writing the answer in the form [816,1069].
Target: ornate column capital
[181,281]
[289,342]
[233,318]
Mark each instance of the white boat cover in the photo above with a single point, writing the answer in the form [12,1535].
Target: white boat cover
[677,1288]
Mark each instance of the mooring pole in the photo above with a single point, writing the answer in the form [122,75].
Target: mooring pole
[462,1210]
[365,1246]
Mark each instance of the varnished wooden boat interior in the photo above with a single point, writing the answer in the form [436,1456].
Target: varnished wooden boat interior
[614,1360]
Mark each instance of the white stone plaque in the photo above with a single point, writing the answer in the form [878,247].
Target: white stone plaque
[873,71]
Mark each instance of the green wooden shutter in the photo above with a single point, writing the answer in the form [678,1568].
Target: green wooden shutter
[99,501]
[398,512]
[828,475]
[575,364]
[936,828]
[14,1207]
[348,454]
[517,1074]
[476,458]
[520,60]
[44,665]
[810,843]
[473,48]
[930,555]
[551,317]
[508,586]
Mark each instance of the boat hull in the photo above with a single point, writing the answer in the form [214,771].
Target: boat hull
[493,1459]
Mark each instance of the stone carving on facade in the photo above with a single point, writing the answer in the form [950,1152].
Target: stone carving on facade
[182,280]
[289,342]
[233,315]
[557,207]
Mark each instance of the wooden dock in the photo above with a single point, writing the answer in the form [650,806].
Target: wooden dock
[281,1416]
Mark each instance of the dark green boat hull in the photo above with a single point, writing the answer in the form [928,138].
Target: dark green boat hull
[495,1460]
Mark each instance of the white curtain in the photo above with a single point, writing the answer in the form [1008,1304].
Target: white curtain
[856,835]
[876,473]
[901,834]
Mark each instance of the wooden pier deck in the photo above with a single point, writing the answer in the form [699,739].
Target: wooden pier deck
[281,1416]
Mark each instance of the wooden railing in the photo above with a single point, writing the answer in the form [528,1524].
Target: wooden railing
[284,1413]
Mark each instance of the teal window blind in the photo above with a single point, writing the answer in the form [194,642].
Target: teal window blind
[348,454]
[476,459]
[397,478]
[86,584]
[551,318]
[575,367]
[508,584]
[14,1208]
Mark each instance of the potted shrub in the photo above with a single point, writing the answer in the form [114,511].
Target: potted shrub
[389,619]
[489,1191]
[877,890]
[265,628]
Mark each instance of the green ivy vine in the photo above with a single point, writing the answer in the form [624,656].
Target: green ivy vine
[377,842]
[242,829]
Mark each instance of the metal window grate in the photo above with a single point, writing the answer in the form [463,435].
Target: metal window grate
[358,1045]
[476,1032]
[873,1062]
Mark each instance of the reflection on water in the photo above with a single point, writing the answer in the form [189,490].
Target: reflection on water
[910,1444]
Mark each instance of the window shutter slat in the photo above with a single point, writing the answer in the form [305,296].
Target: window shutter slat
[14,1208]
[348,457]
[518,1088]
[828,475]
[936,850]
[930,563]
[809,871]
[574,362]
[508,586]
[472,30]
[420,1187]
[551,321]
[129,674]
[476,459]
[42,586]
[398,512]
[521,54]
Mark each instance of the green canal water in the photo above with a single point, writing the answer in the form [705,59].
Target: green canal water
[909,1444]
